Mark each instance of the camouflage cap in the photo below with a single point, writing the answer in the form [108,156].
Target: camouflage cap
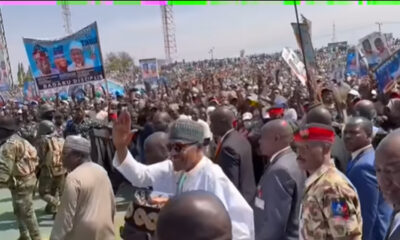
[46,108]
[186,131]
[46,127]
[8,123]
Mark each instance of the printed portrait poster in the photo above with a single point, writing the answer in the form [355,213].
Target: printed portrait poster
[30,91]
[5,78]
[374,49]
[388,73]
[295,64]
[72,60]
[149,68]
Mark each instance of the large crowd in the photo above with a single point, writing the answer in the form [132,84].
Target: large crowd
[217,149]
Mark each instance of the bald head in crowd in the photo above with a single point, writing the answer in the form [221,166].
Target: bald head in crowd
[155,147]
[365,108]
[387,165]
[161,121]
[319,114]
[195,215]
[275,136]
[222,119]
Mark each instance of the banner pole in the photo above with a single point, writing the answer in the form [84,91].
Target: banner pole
[309,86]
[102,64]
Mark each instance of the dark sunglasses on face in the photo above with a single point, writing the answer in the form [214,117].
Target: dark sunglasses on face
[178,147]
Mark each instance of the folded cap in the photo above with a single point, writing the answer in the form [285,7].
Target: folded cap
[77,143]
[186,131]
[315,132]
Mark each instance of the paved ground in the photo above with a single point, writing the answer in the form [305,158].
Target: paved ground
[9,229]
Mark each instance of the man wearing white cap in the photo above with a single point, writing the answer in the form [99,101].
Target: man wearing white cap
[79,61]
[87,206]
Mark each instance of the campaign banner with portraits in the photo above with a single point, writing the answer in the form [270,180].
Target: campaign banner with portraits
[355,66]
[72,60]
[149,72]
[388,73]
[374,49]
[30,91]
[295,64]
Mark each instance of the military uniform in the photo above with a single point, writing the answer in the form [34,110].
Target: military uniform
[28,131]
[83,128]
[51,179]
[330,207]
[18,161]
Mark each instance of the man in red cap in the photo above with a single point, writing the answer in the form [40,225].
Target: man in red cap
[330,207]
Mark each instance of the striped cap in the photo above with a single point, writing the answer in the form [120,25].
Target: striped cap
[186,131]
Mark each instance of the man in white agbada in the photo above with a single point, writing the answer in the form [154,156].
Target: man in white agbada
[87,205]
[187,170]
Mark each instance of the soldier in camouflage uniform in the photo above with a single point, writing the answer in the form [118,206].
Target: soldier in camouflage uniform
[330,207]
[52,172]
[18,161]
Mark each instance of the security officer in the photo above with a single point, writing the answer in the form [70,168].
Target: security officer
[330,207]
[52,172]
[18,161]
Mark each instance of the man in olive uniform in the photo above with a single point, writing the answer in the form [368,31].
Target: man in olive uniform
[52,172]
[18,161]
[330,207]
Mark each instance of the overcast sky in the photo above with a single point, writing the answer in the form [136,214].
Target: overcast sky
[228,28]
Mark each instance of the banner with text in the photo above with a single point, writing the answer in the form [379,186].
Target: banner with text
[72,60]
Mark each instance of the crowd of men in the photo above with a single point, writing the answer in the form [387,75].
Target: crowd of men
[234,144]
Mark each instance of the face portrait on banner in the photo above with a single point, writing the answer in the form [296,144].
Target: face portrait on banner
[149,68]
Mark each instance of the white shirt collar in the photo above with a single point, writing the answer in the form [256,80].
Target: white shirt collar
[357,152]
[396,223]
[273,158]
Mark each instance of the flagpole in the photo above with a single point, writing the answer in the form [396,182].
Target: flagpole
[309,86]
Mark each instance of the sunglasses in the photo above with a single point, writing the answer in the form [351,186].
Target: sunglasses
[178,147]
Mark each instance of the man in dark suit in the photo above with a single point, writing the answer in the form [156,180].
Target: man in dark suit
[387,167]
[233,152]
[277,202]
[361,172]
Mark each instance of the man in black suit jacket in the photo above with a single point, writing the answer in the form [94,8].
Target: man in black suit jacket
[387,165]
[233,152]
[279,193]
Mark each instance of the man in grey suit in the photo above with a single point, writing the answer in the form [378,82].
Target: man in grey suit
[233,152]
[387,165]
[277,202]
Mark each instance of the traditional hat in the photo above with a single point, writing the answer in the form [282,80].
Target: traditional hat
[186,131]
[77,143]
[315,132]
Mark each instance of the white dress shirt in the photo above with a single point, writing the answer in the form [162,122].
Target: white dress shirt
[205,176]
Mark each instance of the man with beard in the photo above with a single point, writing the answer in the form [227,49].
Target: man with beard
[78,59]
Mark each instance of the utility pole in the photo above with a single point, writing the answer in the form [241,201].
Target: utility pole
[168,24]
[211,52]
[66,17]
[333,32]
[379,26]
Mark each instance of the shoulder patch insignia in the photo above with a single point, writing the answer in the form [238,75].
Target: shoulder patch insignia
[340,209]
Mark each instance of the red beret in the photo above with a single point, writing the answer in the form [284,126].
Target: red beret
[273,112]
[315,132]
